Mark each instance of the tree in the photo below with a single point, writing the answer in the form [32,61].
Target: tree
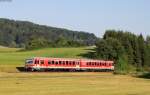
[142,49]
[136,52]
[147,58]
[121,65]
[36,43]
[109,49]
[61,42]
[103,50]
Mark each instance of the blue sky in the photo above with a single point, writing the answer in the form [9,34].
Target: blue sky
[94,16]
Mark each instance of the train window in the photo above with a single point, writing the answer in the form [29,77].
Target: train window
[36,61]
[103,64]
[95,63]
[87,63]
[110,64]
[66,62]
[100,64]
[70,62]
[56,62]
[49,62]
[53,62]
[60,62]
[90,63]
[73,63]
[63,62]
[78,63]
[42,61]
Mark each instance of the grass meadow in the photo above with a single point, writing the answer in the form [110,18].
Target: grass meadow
[13,82]
[10,58]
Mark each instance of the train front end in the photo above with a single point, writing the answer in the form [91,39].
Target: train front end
[29,64]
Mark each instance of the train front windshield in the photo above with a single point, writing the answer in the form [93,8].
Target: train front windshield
[29,61]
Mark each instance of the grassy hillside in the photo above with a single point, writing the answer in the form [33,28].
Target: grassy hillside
[10,58]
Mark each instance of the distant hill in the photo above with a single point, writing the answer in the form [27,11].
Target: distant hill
[19,33]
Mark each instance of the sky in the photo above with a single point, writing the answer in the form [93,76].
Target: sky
[94,16]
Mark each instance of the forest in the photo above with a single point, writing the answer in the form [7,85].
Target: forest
[24,34]
[130,52]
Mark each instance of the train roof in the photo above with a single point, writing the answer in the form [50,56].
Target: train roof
[72,59]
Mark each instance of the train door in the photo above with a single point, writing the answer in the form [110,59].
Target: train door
[77,65]
[36,62]
[42,63]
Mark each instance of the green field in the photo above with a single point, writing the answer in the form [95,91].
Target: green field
[10,58]
[13,82]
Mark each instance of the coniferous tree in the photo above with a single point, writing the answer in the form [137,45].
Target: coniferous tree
[142,49]
[136,52]
[147,58]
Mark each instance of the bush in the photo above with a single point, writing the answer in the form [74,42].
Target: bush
[121,66]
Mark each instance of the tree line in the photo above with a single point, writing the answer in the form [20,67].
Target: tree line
[29,35]
[130,52]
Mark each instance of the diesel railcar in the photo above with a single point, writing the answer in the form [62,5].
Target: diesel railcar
[42,64]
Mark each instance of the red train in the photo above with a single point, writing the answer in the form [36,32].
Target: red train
[42,63]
